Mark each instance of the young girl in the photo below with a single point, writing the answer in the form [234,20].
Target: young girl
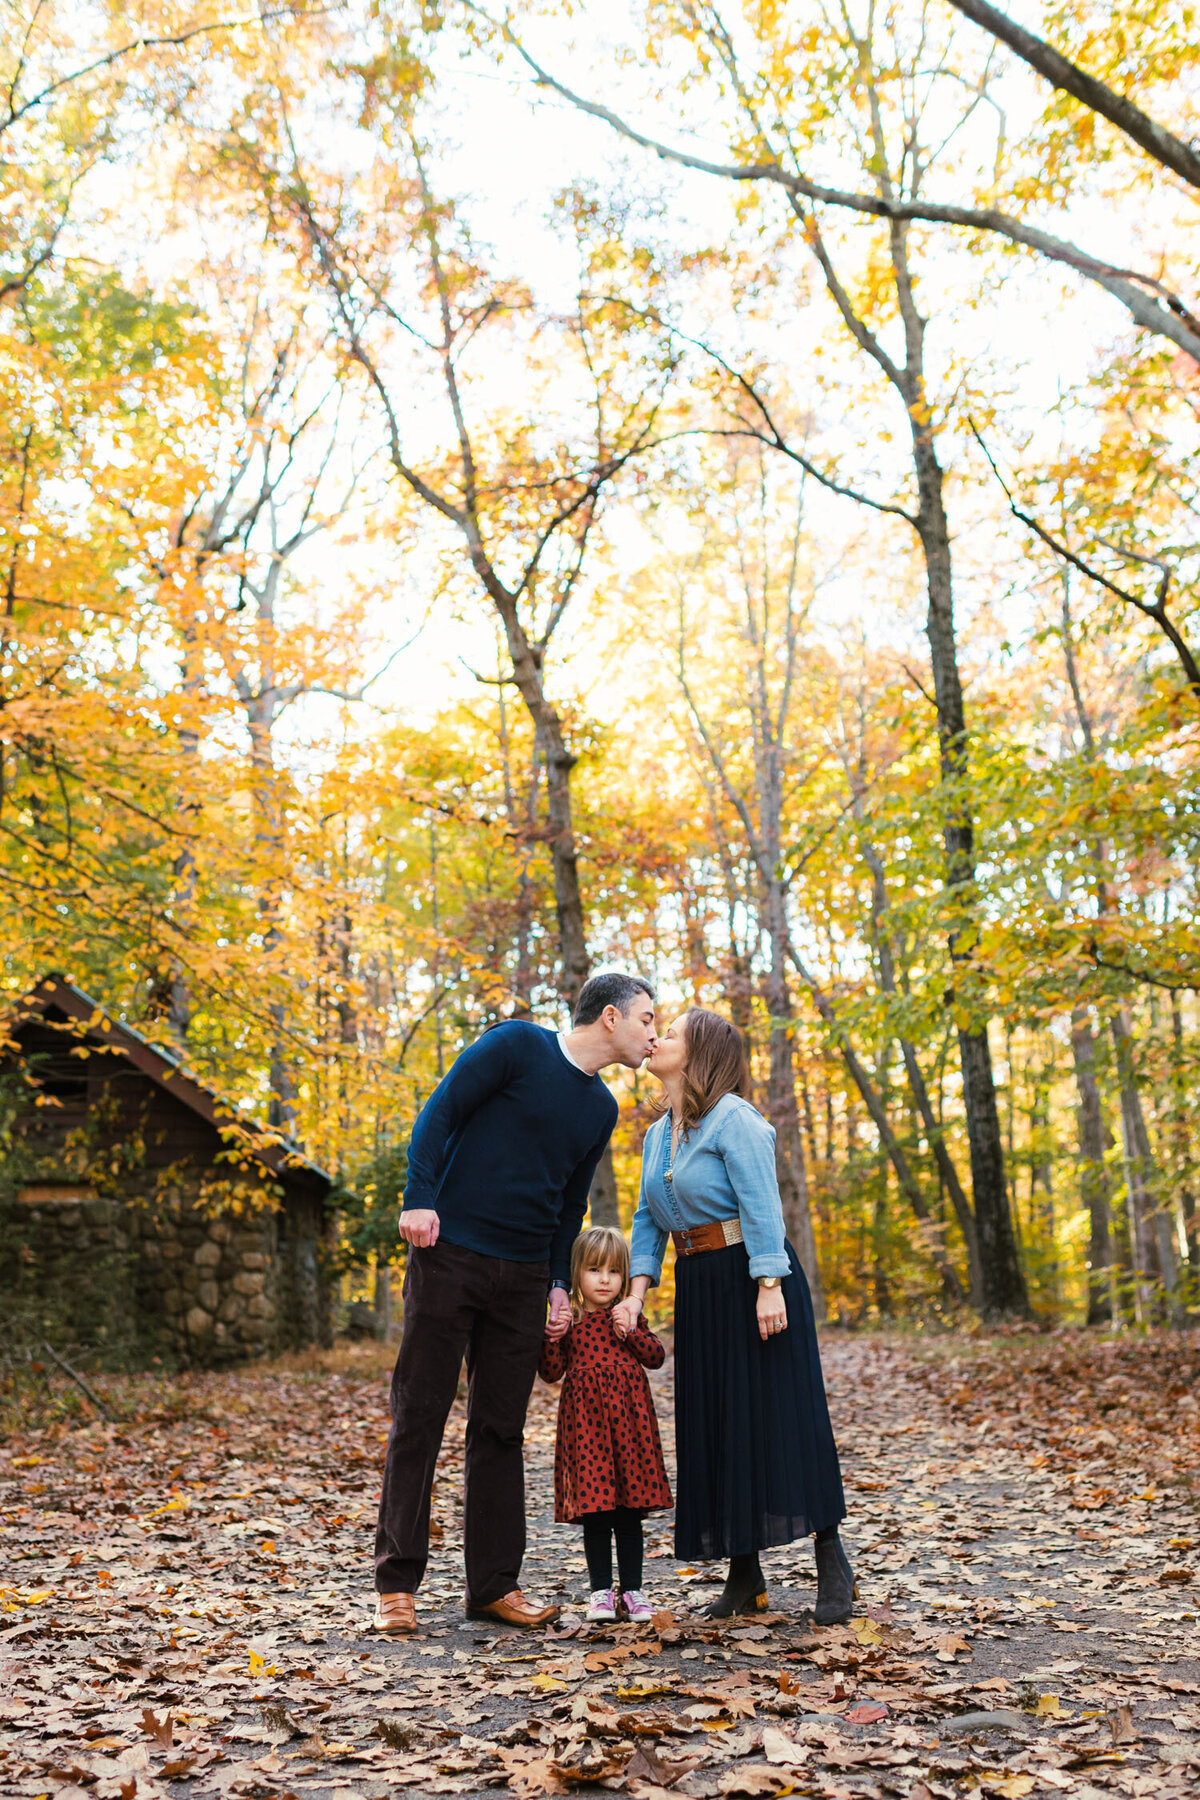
[608,1462]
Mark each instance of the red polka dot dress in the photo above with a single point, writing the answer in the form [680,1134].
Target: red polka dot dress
[607,1452]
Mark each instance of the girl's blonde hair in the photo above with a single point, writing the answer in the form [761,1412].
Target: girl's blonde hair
[601,1247]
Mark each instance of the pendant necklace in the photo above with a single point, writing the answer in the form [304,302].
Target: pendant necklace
[674,1141]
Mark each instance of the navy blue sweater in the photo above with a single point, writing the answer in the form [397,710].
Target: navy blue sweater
[506,1145]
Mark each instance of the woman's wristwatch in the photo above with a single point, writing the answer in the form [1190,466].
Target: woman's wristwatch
[770,1281]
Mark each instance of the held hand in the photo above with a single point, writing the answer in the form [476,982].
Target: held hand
[420,1227]
[559,1321]
[625,1315]
[772,1312]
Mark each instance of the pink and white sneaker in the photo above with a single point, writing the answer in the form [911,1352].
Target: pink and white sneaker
[603,1605]
[637,1608]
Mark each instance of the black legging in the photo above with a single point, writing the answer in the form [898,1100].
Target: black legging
[599,1530]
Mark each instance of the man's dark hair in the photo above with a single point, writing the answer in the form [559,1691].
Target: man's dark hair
[608,990]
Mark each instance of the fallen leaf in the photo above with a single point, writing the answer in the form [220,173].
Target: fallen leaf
[538,1777]
[161,1730]
[867,1713]
[646,1766]
[779,1748]
[1121,1726]
[754,1781]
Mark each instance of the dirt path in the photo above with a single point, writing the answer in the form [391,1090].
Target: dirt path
[186,1595]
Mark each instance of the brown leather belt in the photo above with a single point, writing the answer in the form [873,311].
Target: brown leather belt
[707,1237]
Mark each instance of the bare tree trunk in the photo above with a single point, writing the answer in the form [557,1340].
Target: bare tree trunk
[1093,1175]
[880,1285]
[1149,1222]
[171,999]
[934,1134]
[603,1205]
[521,826]
[1184,1159]
[1001,1280]
[574,962]
[810,1128]
[383,1300]
[781,1103]
[1041,1173]
[909,1184]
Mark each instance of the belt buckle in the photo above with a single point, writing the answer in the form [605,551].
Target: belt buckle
[687,1241]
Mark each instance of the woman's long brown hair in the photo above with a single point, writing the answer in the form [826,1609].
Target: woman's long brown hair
[716,1065]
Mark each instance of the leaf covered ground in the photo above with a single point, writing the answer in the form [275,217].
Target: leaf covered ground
[186,1592]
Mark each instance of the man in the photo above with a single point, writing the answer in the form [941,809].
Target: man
[502,1158]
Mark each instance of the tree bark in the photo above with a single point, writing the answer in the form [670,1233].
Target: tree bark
[781,1104]
[603,1205]
[522,826]
[880,1285]
[909,1185]
[1001,1281]
[383,1300]
[935,1136]
[260,720]
[1093,1175]
[1041,1176]
[1184,1159]
[1151,1239]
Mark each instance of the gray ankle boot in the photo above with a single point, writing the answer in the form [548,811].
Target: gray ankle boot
[835,1582]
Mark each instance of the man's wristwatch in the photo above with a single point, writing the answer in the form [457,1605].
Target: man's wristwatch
[770,1281]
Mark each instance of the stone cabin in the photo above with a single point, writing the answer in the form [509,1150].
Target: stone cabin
[140,1217]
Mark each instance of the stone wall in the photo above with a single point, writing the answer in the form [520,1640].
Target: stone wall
[212,1282]
[132,1279]
[67,1271]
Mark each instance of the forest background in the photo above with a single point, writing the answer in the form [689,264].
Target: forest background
[487,496]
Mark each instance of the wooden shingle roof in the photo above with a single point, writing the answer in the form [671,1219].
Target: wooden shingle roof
[87,1022]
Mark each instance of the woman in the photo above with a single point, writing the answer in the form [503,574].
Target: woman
[757,1464]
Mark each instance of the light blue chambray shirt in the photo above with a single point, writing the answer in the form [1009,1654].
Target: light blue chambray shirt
[724,1169]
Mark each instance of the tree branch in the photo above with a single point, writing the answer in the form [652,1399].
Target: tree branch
[1135,292]
[1096,95]
[1157,611]
[135,45]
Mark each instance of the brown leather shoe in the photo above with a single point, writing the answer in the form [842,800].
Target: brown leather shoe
[514,1609]
[395,1615]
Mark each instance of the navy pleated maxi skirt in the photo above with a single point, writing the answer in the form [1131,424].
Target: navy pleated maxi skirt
[755,1453]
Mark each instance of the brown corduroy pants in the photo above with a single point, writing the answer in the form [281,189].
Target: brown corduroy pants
[458,1302]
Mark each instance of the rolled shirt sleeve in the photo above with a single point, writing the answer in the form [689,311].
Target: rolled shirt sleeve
[747,1147]
[647,1240]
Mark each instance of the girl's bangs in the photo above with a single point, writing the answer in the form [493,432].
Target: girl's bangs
[599,1257]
